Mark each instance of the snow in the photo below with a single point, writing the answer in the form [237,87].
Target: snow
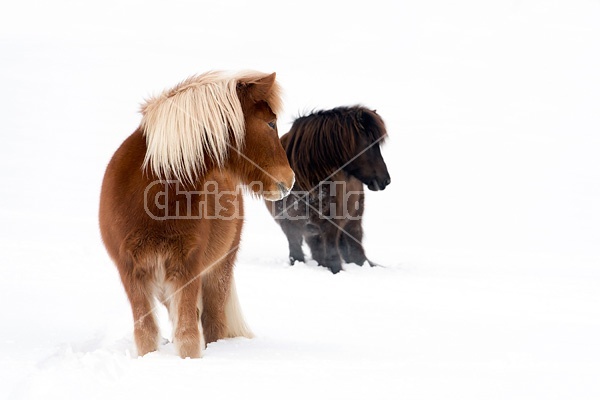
[488,234]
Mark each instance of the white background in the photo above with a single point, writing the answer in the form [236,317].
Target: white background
[489,233]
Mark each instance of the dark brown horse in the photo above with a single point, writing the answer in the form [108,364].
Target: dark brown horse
[333,153]
[170,210]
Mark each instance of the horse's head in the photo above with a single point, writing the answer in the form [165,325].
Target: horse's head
[368,166]
[261,162]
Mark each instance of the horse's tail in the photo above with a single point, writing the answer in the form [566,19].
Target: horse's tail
[236,326]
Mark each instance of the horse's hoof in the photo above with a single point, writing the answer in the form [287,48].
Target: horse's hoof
[373,264]
[294,260]
[335,269]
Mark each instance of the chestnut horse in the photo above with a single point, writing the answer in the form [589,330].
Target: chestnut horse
[171,211]
[333,153]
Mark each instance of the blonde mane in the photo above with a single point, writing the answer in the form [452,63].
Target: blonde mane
[191,122]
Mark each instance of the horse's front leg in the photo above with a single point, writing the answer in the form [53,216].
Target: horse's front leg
[293,232]
[324,245]
[351,246]
[291,214]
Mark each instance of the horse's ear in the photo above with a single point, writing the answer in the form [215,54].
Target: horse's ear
[260,88]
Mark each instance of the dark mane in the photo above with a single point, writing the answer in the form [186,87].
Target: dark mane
[320,143]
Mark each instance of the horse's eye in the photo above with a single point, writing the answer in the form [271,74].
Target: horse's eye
[272,124]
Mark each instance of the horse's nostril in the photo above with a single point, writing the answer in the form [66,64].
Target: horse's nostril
[387,181]
[283,188]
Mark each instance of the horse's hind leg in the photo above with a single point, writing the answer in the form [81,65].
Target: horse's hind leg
[215,287]
[182,288]
[221,311]
[184,314]
[136,282]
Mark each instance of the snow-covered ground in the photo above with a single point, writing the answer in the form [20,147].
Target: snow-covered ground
[489,233]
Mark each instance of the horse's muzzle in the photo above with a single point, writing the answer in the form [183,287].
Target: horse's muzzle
[283,189]
[377,184]
[281,192]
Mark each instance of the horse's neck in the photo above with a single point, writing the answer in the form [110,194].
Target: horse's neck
[338,185]
[219,176]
